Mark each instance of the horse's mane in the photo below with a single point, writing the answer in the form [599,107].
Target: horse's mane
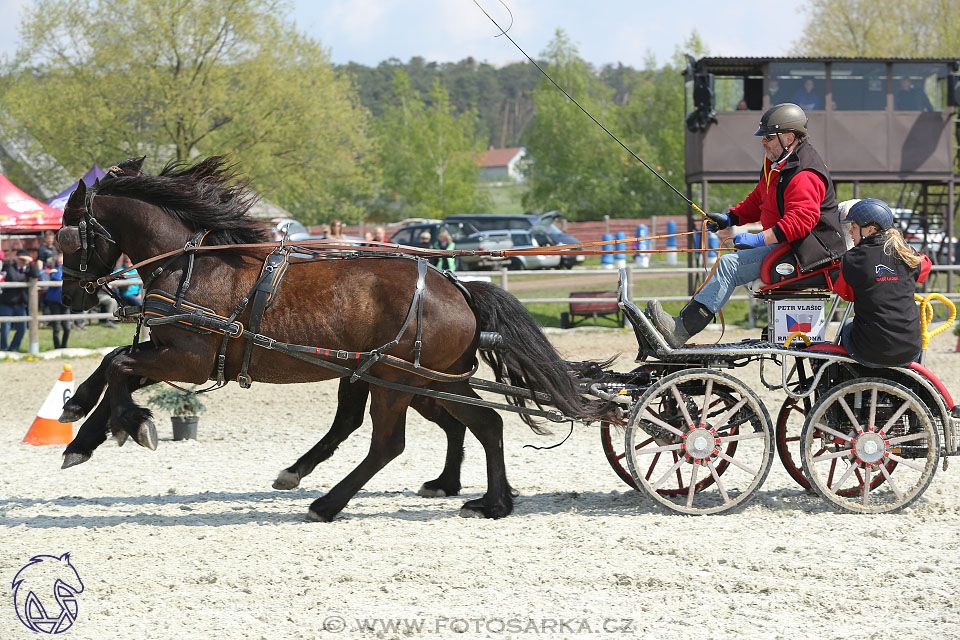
[206,195]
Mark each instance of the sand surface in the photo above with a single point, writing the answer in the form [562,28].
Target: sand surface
[191,541]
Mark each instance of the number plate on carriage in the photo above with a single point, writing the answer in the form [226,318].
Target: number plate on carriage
[807,316]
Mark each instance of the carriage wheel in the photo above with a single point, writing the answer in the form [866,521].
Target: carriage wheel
[860,427]
[612,438]
[788,433]
[679,433]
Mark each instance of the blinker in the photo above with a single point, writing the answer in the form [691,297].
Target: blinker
[69,239]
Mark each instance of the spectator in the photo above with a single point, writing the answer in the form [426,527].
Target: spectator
[324,231]
[742,106]
[774,90]
[130,294]
[911,98]
[52,304]
[379,235]
[48,250]
[425,240]
[806,98]
[13,302]
[445,243]
[367,236]
[336,230]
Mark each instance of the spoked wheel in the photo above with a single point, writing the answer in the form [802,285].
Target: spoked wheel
[612,438]
[859,428]
[680,435]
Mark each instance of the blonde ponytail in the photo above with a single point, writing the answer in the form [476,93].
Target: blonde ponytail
[894,244]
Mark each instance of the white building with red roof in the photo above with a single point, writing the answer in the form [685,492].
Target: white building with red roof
[503,165]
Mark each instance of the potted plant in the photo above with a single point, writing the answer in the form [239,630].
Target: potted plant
[184,407]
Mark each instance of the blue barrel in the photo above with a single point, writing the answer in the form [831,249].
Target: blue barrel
[621,246]
[671,231]
[607,258]
[642,233]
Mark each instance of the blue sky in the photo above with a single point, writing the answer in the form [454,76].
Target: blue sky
[605,31]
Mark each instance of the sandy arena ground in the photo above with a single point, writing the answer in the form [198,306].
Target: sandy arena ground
[191,541]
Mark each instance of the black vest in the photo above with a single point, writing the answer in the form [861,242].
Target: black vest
[824,244]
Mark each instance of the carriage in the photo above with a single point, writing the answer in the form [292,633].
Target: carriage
[698,440]
[679,427]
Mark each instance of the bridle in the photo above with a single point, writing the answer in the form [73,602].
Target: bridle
[83,238]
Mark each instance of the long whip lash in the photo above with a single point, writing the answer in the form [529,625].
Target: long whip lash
[503,32]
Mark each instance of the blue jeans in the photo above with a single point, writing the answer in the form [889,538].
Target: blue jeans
[733,269]
[19,327]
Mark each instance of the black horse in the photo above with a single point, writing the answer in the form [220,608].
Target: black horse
[351,305]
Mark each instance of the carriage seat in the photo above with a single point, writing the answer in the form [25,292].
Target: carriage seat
[780,272]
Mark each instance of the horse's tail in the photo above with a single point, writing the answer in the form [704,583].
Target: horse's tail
[526,359]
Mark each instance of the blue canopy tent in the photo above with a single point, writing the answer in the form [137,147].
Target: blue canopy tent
[60,201]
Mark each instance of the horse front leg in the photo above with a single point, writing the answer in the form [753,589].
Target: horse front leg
[90,390]
[389,413]
[126,370]
[351,404]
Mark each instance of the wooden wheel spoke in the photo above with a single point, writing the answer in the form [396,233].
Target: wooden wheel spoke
[682,404]
[716,480]
[909,437]
[893,485]
[846,409]
[867,478]
[652,450]
[873,409]
[664,477]
[843,478]
[907,463]
[653,465]
[834,432]
[722,420]
[651,417]
[753,472]
[693,484]
[742,436]
[896,416]
[708,392]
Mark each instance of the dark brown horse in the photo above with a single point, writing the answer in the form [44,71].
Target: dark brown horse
[355,305]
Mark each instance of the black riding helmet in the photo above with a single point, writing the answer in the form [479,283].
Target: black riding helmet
[782,118]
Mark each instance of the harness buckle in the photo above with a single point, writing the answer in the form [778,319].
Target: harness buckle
[342,355]
[263,341]
[234,330]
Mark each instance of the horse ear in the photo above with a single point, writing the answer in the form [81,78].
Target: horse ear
[78,198]
[96,183]
[137,163]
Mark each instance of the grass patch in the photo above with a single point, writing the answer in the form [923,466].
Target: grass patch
[93,336]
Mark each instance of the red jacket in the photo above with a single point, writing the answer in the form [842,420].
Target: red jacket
[801,204]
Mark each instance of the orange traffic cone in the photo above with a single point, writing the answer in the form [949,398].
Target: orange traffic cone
[46,429]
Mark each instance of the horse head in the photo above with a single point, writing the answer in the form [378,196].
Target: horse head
[89,251]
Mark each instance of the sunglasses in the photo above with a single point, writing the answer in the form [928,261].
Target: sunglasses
[770,137]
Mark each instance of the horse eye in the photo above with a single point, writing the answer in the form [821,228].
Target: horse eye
[69,239]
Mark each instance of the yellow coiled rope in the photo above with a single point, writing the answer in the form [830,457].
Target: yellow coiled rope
[926,315]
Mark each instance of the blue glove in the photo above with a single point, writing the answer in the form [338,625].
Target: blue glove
[747,240]
[717,221]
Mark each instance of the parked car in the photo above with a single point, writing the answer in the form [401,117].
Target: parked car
[294,230]
[523,222]
[525,240]
[464,235]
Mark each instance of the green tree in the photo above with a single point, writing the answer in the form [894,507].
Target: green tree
[882,28]
[96,81]
[575,166]
[429,153]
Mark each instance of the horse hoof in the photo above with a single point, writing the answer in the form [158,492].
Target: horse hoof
[147,435]
[73,459]
[427,492]
[286,480]
[479,509]
[70,415]
[313,516]
[121,437]
[514,493]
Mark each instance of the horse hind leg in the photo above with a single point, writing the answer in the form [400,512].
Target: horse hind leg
[351,404]
[389,413]
[448,482]
[487,425]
